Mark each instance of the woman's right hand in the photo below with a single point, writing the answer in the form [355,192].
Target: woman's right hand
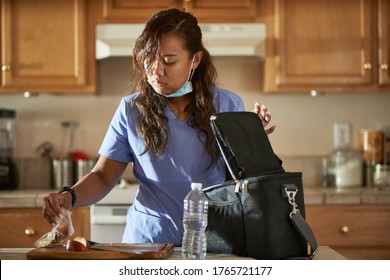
[53,203]
[265,117]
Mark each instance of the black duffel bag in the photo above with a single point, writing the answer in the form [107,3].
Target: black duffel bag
[260,212]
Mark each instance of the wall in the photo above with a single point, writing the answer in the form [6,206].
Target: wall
[304,123]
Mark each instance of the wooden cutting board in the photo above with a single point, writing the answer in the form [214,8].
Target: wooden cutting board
[130,251]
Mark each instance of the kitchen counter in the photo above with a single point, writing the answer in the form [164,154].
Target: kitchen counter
[362,195]
[23,198]
[324,253]
[313,196]
[34,198]
[367,236]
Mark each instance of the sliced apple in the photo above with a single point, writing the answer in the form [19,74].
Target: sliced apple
[78,243]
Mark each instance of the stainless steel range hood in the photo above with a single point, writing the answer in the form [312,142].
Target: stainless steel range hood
[220,39]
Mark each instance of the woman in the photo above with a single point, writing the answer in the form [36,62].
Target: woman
[163,130]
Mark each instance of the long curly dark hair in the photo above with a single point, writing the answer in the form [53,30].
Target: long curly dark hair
[152,121]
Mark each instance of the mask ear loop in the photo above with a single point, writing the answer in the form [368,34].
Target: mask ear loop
[191,70]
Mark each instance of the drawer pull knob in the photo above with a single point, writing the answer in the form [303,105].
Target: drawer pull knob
[5,68]
[384,67]
[344,229]
[29,231]
[367,66]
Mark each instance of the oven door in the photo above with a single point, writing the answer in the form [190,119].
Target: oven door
[108,222]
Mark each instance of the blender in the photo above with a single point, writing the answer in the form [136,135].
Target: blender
[8,170]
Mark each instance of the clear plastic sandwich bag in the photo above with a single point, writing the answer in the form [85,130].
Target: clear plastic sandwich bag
[62,230]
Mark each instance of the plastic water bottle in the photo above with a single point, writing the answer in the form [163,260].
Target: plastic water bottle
[194,244]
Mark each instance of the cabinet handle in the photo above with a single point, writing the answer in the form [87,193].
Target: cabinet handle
[367,66]
[344,229]
[384,67]
[5,68]
[29,231]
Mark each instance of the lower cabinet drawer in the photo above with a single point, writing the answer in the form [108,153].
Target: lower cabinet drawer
[350,225]
[21,227]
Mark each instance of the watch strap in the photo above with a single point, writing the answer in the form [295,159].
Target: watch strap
[71,191]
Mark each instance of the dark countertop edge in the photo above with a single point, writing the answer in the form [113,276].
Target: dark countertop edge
[324,253]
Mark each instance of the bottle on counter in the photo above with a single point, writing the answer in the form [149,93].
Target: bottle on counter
[194,245]
[381,176]
[327,178]
[372,145]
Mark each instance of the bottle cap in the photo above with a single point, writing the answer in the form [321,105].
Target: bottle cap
[196,186]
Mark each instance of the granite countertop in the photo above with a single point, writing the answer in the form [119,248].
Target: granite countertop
[313,196]
[358,195]
[324,253]
[23,198]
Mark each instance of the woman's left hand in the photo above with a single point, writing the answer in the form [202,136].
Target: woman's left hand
[265,117]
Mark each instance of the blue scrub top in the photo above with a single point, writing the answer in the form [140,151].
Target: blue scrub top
[156,215]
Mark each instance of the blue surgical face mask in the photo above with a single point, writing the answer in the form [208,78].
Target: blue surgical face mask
[187,86]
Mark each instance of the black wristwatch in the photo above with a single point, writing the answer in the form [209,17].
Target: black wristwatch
[71,191]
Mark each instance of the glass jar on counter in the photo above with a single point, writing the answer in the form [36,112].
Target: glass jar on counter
[346,167]
[382,175]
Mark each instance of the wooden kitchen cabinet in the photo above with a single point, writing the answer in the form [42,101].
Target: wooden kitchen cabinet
[21,227]
[43,47]
[204,10]
[384,42]
[329,46]
[355,231]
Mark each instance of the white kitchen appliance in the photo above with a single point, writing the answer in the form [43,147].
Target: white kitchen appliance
[222,39]
[108,216]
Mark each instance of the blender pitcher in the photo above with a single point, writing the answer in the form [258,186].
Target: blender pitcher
[8,170]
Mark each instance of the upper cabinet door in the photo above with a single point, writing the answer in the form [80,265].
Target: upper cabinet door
[135,10]
[204,10]
[322,44]
[223,11]
[43,46]
[384,42]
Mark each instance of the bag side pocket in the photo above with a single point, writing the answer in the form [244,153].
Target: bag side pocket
[225,230]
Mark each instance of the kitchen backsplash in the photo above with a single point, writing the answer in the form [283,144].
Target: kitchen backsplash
[35,173]
[304,124]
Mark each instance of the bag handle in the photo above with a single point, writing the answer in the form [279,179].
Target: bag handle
[290,190]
